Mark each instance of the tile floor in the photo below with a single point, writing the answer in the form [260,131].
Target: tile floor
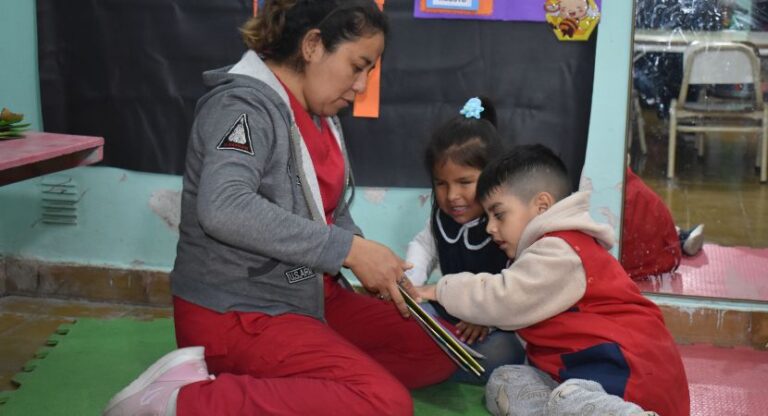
[26,323]
[726,381]
[717,272]
[723,380]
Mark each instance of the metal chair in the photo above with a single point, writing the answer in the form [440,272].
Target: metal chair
[639,123]
[720,63]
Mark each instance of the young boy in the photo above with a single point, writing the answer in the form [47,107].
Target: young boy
[586,325]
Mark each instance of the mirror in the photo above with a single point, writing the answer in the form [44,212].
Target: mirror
[712,50]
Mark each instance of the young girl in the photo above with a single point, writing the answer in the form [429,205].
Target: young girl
[455,236]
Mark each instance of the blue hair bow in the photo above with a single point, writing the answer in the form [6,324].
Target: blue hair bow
[472,108]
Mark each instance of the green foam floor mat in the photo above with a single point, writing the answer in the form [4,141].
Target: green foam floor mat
[85,363]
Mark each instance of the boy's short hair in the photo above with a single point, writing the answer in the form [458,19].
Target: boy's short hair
[525,170]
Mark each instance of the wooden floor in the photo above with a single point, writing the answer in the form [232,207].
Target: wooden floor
[720,189]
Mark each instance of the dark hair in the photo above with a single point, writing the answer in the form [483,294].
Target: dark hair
[277,31]
[465,141]
[525,171]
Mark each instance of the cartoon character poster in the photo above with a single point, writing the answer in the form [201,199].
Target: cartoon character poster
[504,10]
[572,19]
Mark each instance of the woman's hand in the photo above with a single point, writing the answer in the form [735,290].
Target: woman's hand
[379,270]
[470,333]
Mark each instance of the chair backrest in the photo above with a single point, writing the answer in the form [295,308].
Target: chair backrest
[721,63]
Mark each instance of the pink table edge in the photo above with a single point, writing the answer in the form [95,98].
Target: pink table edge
[39,146]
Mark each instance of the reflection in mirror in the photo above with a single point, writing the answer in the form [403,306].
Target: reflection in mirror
[699,141]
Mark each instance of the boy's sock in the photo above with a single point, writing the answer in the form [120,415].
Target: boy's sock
[692,240]
[586,397]
[519,390]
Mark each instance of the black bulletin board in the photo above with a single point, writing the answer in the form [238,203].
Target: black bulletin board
[130,71]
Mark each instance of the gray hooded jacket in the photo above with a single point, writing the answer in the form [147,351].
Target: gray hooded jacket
[253,235]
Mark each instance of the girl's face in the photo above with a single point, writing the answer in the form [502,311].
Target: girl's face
[333,79]
[455,190]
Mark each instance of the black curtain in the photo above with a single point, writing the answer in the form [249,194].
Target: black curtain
[130,71]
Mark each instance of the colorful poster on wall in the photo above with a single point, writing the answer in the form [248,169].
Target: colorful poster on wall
[572,20]
[510,10]
[466,5]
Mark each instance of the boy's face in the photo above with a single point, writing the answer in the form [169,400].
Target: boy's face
[455,191]
[508,216]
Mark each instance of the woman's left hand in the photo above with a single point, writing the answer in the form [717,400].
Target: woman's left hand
[470,333]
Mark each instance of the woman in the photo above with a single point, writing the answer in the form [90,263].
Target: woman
[265,229]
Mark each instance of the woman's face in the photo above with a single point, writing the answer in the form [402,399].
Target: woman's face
[333,79]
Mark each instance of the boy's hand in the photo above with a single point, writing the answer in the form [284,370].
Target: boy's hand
[425,293]
[470,333]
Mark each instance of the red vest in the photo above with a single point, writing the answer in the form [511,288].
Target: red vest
[613,335]
[649,241]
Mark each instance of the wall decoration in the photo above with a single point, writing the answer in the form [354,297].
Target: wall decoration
[508,10]
[572,19]
[429,68]
[467,5]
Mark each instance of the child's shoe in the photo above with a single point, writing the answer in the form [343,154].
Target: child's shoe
[693,240]
[154,392]
[586,397]
[519,390]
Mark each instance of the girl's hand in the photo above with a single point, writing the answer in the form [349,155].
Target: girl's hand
[470,333]
[425,293]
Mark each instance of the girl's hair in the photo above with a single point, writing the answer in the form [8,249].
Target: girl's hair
[465,141]
[278,29]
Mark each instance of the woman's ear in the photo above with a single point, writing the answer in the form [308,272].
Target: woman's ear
[312,45]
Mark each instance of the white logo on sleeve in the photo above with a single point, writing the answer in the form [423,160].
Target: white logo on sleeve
[238,137]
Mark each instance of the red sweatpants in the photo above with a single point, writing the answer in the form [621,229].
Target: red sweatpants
[359,363]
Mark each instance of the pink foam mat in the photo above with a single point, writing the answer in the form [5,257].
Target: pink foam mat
[717,272]
[726,381]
